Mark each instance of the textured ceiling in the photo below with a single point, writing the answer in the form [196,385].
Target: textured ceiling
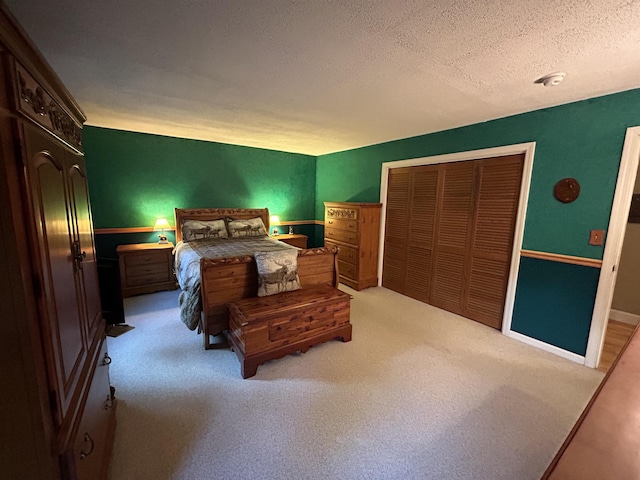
[319,76]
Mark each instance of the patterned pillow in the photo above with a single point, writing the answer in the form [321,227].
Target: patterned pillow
[199,229]
[252,227]
[277,272]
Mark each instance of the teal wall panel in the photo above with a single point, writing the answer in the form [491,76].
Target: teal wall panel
[554,303]
[135,178]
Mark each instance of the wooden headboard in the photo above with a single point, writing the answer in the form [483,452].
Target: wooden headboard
[204,214]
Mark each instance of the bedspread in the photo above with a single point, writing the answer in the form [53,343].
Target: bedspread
[187,266]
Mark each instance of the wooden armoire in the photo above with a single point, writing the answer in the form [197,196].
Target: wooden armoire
[58,408]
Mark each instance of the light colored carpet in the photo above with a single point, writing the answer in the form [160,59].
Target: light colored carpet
[419,393]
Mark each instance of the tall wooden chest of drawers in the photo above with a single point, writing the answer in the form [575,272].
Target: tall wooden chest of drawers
[355,229]
[146,268]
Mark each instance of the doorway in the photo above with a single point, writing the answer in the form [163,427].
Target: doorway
[627,174]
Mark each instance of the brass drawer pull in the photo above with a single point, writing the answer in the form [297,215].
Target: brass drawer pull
[109,403]
[106,360]
[87,439]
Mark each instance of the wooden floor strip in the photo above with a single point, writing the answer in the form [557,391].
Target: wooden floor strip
[616,336]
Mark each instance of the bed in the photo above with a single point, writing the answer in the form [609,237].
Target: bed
[213,271]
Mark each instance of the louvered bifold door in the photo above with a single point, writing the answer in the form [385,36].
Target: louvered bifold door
[396,229]
[422,212]
[496,206]
[453,228]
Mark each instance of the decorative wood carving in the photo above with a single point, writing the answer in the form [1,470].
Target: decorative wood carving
[35,103]
[567,190]
[216,262]
[208,214]
[342,213]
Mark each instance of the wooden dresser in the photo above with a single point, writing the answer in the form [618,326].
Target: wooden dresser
[355,229]
[146,268]
[57,406]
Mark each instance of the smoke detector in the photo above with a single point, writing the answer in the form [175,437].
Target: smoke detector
[551,79]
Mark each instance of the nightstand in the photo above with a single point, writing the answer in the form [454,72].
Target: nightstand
[146,268]
[295,239]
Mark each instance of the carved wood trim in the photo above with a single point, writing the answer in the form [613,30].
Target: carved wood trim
[216,262]
[35,103]
[342,213]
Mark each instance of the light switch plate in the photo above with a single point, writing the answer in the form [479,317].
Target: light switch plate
[596,237]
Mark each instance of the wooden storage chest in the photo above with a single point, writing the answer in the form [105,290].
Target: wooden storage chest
[265,328]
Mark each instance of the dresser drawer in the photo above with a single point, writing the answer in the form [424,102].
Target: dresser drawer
[91,447]
[346,236]
[345,253]
[145,258]
[349,225]
[348,269]
[149,269]
[135,281]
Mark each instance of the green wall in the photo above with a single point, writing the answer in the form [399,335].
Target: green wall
[135,178]
[582,140]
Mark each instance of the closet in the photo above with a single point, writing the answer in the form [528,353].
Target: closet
[58,407]
[449,234]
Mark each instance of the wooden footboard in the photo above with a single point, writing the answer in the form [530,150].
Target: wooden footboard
[226,280]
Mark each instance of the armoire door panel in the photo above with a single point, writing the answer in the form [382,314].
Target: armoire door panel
[83,234]
[64,323]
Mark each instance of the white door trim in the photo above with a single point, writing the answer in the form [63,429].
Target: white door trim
[528,149]
[613,246]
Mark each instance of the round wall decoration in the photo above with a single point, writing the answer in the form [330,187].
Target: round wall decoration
[567,190]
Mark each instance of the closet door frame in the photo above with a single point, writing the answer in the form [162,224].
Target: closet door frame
[528,149]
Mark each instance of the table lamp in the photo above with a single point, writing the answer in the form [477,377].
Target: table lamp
[162,225]
[275,220]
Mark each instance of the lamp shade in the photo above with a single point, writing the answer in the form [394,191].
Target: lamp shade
[275,220]
[161,224]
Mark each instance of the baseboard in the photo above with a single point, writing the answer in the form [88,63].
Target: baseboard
[574,357]
[624,317]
